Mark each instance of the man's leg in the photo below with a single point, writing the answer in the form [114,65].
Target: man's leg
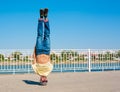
[46,41]
[39,41]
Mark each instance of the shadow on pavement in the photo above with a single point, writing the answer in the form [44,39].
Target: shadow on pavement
[31,82]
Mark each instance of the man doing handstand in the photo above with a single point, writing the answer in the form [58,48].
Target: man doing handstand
[41,64]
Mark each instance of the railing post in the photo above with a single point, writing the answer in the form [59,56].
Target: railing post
[89,60]
[61,68]
[13,69]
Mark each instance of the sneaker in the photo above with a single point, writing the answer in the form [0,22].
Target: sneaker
[41,13]
[45,12]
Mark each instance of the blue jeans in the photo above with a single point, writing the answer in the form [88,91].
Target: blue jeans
[43,38]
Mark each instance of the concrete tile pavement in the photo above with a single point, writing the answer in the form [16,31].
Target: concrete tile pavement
[63,82]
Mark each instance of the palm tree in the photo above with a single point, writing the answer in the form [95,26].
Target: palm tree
[109,56]
[26,58]
[118,54]
[54,57]
[1,57]
[100,57]
[69,55]
[16,55]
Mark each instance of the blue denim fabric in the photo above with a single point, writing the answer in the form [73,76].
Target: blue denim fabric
[43,38]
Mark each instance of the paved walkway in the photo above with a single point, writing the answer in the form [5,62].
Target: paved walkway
[63,82]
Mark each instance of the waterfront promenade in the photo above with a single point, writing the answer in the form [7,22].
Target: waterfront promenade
[63,82]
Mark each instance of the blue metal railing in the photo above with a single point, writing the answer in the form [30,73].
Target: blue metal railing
[65,60]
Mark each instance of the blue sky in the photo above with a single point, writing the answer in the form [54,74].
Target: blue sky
[74,24]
